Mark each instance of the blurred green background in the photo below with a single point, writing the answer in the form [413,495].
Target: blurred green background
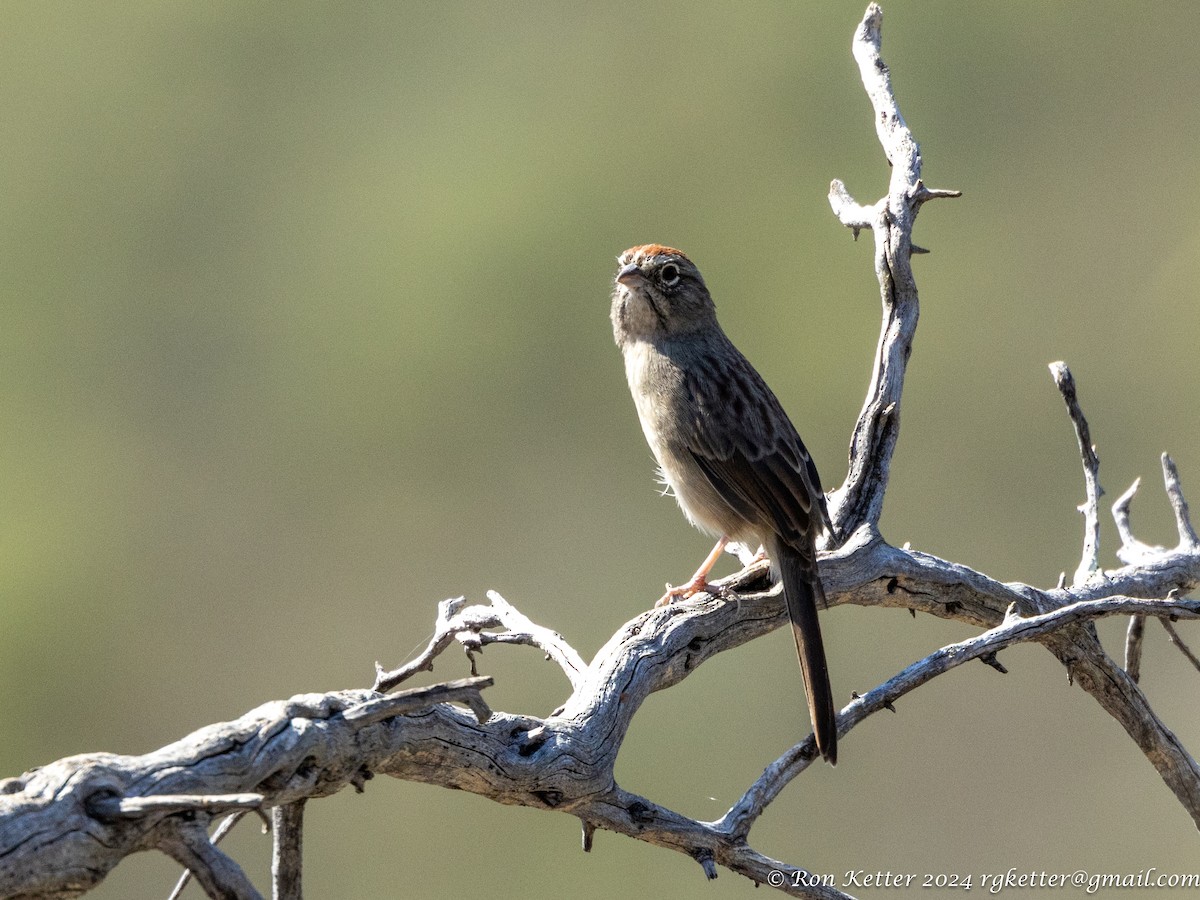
[305,329]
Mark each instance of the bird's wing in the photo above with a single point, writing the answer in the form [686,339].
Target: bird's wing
[750,452]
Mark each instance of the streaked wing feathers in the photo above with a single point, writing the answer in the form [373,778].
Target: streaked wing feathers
[750,452]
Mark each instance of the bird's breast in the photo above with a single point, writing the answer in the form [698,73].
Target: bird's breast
[659,389]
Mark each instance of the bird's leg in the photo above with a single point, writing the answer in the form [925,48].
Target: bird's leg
[745,553]
[697,582]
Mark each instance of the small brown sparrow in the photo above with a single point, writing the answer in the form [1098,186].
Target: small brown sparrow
[724,445]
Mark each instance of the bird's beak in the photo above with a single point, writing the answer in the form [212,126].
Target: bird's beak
[627,273]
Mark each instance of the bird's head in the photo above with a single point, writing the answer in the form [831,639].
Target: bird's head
[658,293]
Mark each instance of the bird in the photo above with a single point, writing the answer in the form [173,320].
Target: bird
[724,446]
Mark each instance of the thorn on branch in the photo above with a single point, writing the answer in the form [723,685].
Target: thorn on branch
[589,832]
[990,659]
[923,194]
[359,779]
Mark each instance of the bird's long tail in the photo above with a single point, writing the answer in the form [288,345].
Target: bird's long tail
[802,589]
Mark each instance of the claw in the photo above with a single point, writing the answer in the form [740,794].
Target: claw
[697,584]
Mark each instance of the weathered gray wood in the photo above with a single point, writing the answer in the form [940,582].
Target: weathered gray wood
[1089,563]
[859,501]
[287,831]
[65,825]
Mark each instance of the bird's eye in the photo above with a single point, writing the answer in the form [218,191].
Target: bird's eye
[670,275]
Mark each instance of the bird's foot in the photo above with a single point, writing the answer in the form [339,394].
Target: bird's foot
[696,585]
[698,582]
[693,587]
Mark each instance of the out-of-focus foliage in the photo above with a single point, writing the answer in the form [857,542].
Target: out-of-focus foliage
[304,329]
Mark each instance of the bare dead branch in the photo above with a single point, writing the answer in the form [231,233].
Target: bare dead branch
[112,807]
[464,690]
[1013,630]
[287,829]
[562,762]
[1183,521]
[1179,644]
[1089,564]
[859,501]
[469,626]
[188,844]
[226,826]
[1133,646]
[1131,551]
[90,811]
[849,212]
